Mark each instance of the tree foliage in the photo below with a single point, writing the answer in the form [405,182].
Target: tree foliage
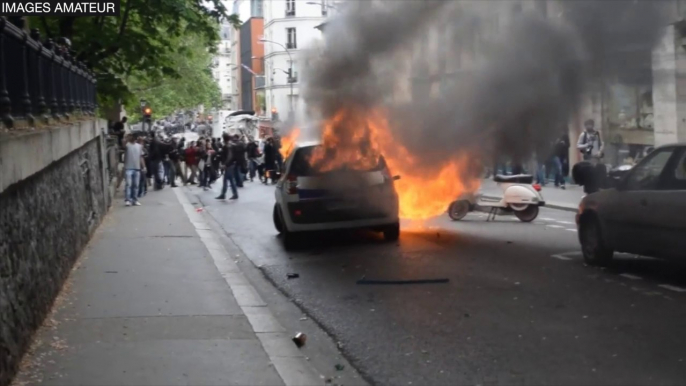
[194,86]
[143,45]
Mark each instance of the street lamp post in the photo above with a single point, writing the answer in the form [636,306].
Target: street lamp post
[290,70]
[327,5]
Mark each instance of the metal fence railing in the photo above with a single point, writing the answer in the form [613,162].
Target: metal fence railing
[40,80]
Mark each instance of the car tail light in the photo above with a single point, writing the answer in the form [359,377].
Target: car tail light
[537,187]
[292,183]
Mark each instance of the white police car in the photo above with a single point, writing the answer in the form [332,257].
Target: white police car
[308,200]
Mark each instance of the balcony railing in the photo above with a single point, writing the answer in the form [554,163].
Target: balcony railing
[40,80]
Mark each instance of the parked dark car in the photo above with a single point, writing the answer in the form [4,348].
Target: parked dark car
[644,214]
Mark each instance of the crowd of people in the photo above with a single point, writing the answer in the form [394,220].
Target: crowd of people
[152,159]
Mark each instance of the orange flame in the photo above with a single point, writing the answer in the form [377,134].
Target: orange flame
[288,142]
[357,139]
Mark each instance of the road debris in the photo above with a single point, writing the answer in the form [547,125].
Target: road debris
[199,210]
[303,318]
[365,281]
[339,367]
[111,271]
[299,339]
[292,275]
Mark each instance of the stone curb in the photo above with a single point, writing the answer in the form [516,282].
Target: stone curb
[290,363]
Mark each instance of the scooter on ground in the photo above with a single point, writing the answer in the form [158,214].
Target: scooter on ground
[520,197]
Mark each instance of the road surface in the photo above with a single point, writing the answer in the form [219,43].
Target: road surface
[520,306]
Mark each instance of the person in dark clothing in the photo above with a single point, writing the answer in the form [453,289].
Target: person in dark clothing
[143,185]
[590,175]
[253,152]
[203,165]
[238,154]
[119,129]
[561,158]
[270,159]
[175,159]
[276,142]
[229,160]
[158,152]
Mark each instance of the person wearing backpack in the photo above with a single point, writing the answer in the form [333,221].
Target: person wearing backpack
[590,144]
[591,172]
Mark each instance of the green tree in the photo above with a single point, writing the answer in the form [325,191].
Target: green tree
[191,85]
[140,43]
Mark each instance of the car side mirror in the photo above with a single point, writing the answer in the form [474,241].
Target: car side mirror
[396,178]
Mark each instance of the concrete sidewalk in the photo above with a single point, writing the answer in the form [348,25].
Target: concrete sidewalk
[556,198]
[156,300]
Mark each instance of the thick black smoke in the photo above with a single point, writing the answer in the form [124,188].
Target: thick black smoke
[513,101]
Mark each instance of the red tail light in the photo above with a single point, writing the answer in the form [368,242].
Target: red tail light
[292,183]
[537,187]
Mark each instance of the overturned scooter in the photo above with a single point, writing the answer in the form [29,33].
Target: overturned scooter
[520,197]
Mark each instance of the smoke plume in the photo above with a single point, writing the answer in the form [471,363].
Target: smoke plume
[512,100]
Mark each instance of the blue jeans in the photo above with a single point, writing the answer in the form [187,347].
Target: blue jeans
[253,167]
[540,174]
[230,178]
[133,176]
[160,172]
[559,179]
[239,176]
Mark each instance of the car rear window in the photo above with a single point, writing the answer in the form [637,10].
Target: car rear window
[301,163]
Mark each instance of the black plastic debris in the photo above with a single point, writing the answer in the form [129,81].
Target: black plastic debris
[339,367]
[364,281]
[299,339]
[293,275]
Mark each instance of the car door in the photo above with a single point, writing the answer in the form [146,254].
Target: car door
[666,216]
[632,210]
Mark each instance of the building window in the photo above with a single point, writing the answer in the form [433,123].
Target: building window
[290,7]
[294,78]
[291,43]
[325,8]
[257,8]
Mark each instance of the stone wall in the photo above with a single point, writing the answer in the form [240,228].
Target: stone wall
[46,219]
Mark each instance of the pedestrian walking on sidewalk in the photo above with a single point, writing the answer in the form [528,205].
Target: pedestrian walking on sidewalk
[133,164]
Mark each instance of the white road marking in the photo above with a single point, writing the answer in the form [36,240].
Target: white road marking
[571,230]
[672,288]
[554,226]
[547,219]
[560,257]
[565,222]
[630,276]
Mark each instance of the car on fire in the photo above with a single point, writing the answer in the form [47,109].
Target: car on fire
[310,200]
[644,213]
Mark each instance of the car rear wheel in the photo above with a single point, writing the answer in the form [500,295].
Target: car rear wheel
[277,219]
[593,247]
[458,209]
[392,232]
[528,214]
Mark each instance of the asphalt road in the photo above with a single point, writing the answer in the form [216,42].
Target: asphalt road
[520,306]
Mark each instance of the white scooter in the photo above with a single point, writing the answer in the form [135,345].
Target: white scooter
[520,197]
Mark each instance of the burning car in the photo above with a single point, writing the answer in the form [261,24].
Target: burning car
[312,198]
